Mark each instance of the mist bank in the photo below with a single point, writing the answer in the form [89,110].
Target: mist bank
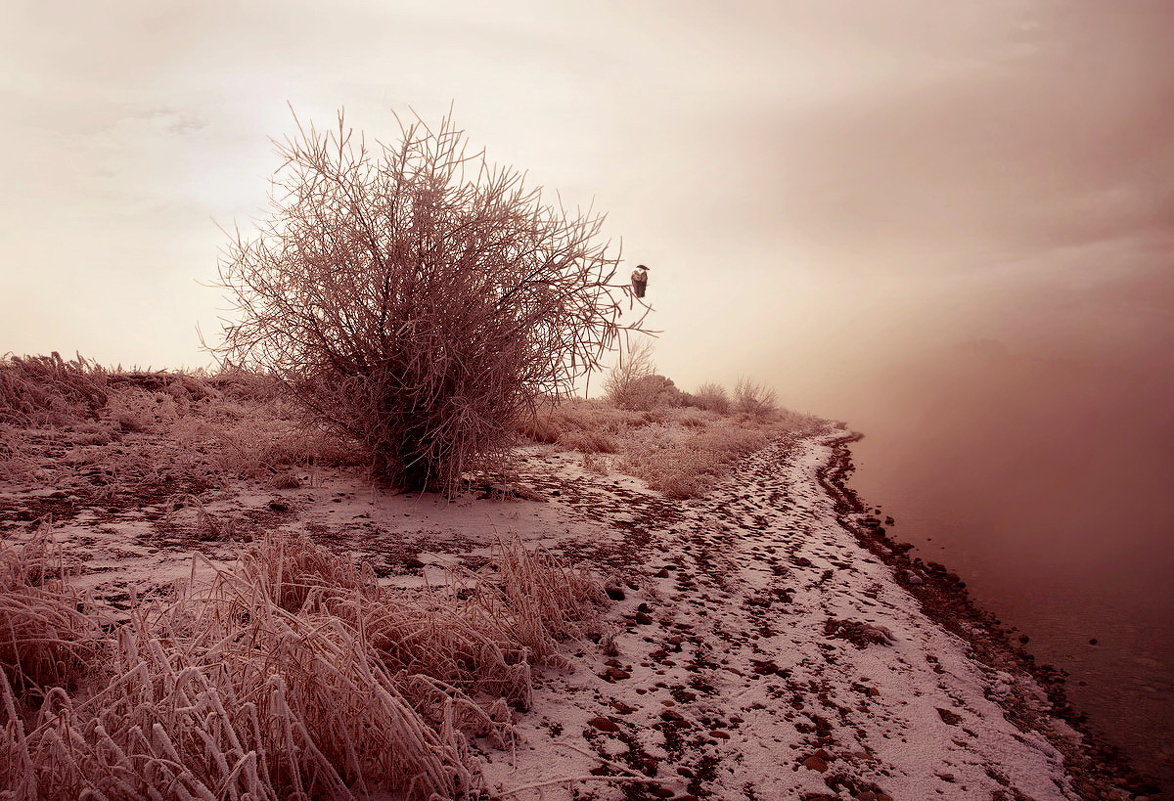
[1041,474]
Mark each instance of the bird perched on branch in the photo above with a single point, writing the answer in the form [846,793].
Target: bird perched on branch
[640,280]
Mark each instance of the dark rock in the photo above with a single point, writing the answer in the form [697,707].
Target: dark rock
[948,717]
[604,724]
[816,763]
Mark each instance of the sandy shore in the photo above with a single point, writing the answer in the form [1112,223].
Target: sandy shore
[1099,770]
[765,641]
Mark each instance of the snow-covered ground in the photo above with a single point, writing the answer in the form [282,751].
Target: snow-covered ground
[775,658]
[757,650]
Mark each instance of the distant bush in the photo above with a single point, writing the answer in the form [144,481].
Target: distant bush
[634,366]
[712,397]
[648,393]
[754,399]
[634,384]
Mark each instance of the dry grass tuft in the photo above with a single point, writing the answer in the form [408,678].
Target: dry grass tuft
[679,451]
[292,676]
[49,631]
[169,432]
[684,462]
[588,442]
[47,390]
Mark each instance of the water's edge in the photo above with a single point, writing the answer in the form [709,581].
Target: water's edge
[1096,767]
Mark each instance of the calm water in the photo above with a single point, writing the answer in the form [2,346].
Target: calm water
[1048,487]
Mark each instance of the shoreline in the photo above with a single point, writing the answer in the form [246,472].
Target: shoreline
[1097,768]
[759,641]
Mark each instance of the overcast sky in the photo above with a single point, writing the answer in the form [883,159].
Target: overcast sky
[816,185]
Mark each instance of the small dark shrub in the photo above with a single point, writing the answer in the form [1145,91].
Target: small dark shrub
[754,399]
[713,397]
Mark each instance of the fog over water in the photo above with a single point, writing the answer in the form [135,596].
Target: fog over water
[949,224]
[1046,485]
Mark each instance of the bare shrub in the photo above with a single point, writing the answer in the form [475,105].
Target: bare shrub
[754,399]
[713,397]
[418,298]
[633,384]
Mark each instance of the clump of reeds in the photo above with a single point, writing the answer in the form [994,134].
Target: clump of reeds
[49,631]
[293,676]
[540,599]
[47,390]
